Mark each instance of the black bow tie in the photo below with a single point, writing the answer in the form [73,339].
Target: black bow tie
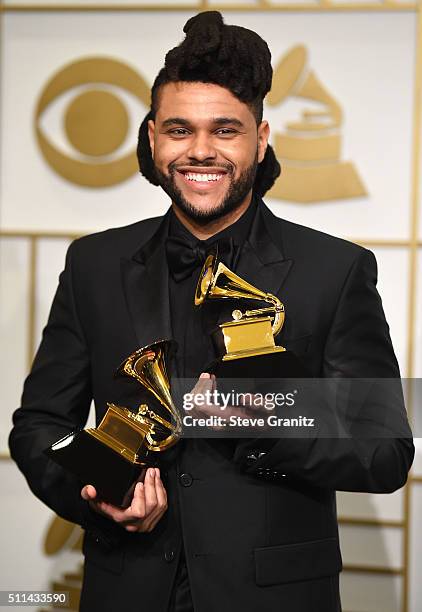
[184,256]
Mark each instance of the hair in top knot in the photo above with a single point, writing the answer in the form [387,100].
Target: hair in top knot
[230,56]
[227,55]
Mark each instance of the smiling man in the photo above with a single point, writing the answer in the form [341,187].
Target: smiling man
[206,146]
[223,524]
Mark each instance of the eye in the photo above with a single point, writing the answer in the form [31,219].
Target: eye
[226,131]
[92,101]
[178,132]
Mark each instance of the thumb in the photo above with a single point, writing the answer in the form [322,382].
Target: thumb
[88,492]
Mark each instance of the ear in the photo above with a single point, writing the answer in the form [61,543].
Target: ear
[151,134]
[263,136]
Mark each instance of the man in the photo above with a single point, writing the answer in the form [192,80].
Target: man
[227,524]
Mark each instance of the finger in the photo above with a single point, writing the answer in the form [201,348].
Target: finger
[203,383]
[138,502]
[256,406]
[150,493]
[161,494]
[114,512]
[88,492]
[214,382]
[160,507]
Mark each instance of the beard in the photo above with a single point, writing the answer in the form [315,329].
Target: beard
[236,193]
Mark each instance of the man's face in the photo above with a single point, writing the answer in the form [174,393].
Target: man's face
[206,147]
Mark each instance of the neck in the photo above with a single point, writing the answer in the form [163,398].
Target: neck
[204,231]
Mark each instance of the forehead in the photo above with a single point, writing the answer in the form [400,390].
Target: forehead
[199,101]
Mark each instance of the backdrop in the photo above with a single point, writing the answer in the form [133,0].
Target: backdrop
[345,114]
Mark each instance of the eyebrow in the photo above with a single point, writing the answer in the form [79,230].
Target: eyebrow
[216,121]
[175,121]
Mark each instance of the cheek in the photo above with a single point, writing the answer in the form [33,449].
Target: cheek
[166,153]
[243,155]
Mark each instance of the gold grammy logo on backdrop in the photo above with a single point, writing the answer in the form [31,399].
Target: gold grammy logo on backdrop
[96,124]
[63,536]
[309,149]
[96,121]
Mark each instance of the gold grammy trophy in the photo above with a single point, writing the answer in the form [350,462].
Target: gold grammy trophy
[115,455]
[245,345]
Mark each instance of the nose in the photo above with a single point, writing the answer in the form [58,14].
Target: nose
[201,147]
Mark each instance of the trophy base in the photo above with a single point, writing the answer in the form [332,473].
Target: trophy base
[93,462]
[253,353]
[274,364]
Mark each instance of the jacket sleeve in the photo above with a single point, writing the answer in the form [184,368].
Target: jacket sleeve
[56,400]
[372,450]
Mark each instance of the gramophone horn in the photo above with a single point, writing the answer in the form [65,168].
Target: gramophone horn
[217,281]
[148,366]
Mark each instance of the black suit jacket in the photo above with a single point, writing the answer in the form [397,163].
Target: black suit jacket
[251,541]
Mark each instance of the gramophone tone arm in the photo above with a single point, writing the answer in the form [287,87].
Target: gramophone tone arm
[278,316]
[160,445]
[277,310]
[144,410]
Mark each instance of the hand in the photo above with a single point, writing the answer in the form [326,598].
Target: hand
[208,383]
[148,505]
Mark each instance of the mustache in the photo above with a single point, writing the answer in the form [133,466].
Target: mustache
[173,167]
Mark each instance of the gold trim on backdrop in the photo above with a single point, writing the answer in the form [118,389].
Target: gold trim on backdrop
[369,522]
[324,6]
[39,234]
[413,273]
[376,569]
[32,299]
[377,242]
[414,243]
[73,235]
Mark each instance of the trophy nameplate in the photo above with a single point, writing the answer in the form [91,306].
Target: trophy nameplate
[116,454]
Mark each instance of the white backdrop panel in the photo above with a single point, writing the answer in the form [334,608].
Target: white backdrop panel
[417,409]
[14,282]
[51,258]
[25,523]
[372,80]
[370,593]
[383,507]
[416,549]
[418,328]
[393,284]
[374,546]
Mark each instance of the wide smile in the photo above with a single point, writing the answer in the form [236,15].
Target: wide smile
[200,179]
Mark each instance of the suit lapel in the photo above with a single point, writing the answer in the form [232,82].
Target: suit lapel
[145,284]
[262,262]
[145,276]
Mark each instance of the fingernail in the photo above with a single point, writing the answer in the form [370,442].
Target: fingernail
[204,375]
[157,472]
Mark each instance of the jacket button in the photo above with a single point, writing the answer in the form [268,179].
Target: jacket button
[169,556]
[185,480]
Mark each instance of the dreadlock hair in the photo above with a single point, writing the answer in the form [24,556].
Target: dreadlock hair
[230,56]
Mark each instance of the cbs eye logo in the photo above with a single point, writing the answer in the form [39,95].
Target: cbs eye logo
[95,124]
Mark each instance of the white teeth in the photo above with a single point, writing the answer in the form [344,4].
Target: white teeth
[195,176]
